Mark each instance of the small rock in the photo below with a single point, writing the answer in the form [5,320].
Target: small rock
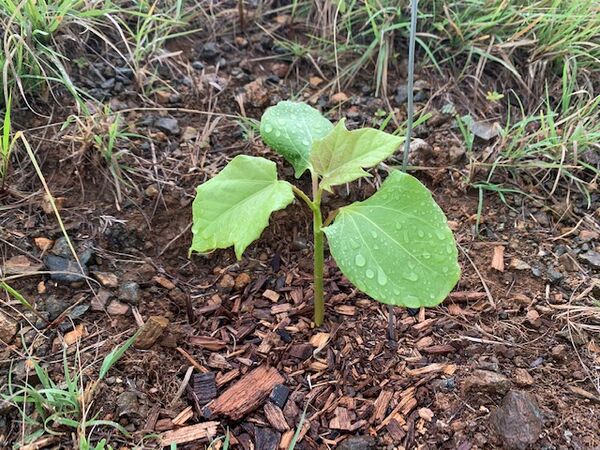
[338,97]
[189,134]
[588,235]
[19,264]
[554,276]
[116,308]
[358,443]
[55,306]
[280,69]
[168,125]
[567,262]
[8,328]
[591,257]
[226,282]
[518,264]
[542,218]
[559,352]
[151,331]
[533,317]
[198,65]
[485,130]
[61,248]
[487,381]
[425,414]
[456,153]
[99,301]
[315,82]
[127,403]
[151,191]
[59,265]
[242,280]
[241,41]
[129,292]
[44,244]
[518,421]
[210,50]
[522,377]
[106,279]
[256,93]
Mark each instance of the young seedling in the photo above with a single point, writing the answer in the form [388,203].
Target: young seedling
[395,246]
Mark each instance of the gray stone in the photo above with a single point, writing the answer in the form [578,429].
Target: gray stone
[130,292]
[127,403]
[167,124]
[61,265]
[358,443]
[592,258]
[210,50]
[518,421]
[554,276]
[56,306]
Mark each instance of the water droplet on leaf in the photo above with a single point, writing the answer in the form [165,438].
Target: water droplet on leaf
[360,260]
[268,128]
[370,274]
[381,278]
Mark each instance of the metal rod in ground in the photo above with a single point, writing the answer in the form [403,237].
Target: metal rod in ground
[409,125]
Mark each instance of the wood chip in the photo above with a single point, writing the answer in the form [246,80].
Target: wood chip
[275,417]
[319,341]
[301,351]
[74,335]
[183,416]
[151,331]
[227,377]
[218,361]
[426,341]
[498,258]
[44,244]
[209,343]
[164,282]
[204,431]
[342,419]
[441,349]
[204,387]
[346,310]
[583,393]
[381,405]
[278,309]
[266,439]
[271,295]
[246,394]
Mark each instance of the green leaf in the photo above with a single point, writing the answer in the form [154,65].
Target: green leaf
[341,156]
[396,246]
[115,355]
[290,129]
[234,207]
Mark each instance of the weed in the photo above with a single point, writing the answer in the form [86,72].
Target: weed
[50,407]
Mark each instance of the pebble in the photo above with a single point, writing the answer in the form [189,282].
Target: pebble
[129,292]
[8,328]
[588,235]
[55,306]
[559,352]
[44,244]
[127,403]
[518,421]
[241,281]
[106,279]
[591,257]
[487,381]
[554,276]
[522,377]
[60,265]
[99,301]
[339,97]
[227,282]
[210,50]
[61,248]
[357,443]
[116,308]
[168,125]
[198,65]
[518,264]
[533,318]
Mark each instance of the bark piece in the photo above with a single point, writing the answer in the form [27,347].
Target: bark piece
[498,258]
[246,394]
[151,331]
[204,387]
[275,417]
[208,343]
[204,431]
[301,351]
[266,439]
[381,405]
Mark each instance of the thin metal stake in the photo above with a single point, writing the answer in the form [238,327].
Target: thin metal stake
[409,125]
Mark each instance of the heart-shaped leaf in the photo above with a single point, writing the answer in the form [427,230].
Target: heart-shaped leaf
[290,129]
[396,246]
[233,208]
[341,155]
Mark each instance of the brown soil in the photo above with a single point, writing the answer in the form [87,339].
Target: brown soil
[417,393]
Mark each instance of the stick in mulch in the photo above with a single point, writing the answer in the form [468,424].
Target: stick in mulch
[409,124]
